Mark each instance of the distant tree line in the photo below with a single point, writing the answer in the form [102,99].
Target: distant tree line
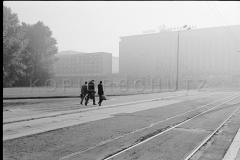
[28,52]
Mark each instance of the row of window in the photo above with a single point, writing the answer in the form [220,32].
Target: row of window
[192,65]
[78,71]
[209,66]
[183,68]
[79,67]
[186,66]
[79,62]
[82,57]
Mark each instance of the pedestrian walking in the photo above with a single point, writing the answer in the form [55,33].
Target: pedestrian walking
[91,92]
[100,93]
[83,92]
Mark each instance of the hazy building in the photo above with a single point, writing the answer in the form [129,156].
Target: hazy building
[115,64]
[82,66]
[208,53]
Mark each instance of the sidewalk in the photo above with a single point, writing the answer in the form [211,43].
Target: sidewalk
[111,102]
[41,92]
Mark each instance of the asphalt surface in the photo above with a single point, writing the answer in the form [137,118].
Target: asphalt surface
[117,128]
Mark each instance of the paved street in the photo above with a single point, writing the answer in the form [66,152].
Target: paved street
[95,132]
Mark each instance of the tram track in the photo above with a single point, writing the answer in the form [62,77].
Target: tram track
[208,137]
[158,132]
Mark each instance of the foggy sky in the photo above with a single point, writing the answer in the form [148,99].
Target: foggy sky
[96,26]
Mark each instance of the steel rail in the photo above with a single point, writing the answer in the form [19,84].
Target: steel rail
[205,140]
[138,130]
[144,141]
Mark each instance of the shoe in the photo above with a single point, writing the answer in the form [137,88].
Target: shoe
[99,104]
[85,104]
[94,104]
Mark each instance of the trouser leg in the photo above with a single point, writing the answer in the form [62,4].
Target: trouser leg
[87,99]
[93,99]
[100,99]
[82,100]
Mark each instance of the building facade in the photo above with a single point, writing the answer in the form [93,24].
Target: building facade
[208,53]
[78,66]
[115,65]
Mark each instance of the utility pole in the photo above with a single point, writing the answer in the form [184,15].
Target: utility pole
[177,77]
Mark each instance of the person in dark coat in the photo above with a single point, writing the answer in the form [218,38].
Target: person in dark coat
[100,93]
[91,92]
[83,92]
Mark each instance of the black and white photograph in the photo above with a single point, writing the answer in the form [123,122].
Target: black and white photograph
[121,80]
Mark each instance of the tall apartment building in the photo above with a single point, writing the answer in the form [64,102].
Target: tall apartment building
[208,53]
[78,66]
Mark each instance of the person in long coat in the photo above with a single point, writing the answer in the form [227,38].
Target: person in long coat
[100,93]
